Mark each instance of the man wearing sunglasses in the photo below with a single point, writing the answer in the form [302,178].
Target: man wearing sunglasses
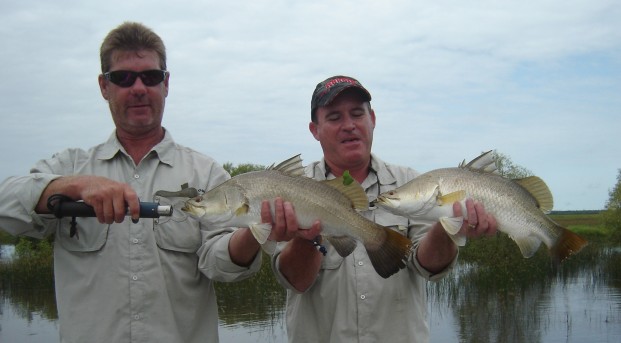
[117,280]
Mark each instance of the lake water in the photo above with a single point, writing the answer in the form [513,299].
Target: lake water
[580,302]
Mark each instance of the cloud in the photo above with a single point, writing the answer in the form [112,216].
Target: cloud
[537,80]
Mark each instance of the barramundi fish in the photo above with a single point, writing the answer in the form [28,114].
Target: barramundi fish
[237,202]
[519,205]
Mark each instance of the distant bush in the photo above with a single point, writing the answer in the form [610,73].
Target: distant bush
[612,214]
[32,266]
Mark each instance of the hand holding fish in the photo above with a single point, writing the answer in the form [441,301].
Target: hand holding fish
[478,221]
[437,249]
[285,223]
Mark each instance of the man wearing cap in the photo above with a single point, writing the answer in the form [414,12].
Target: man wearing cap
[342,299]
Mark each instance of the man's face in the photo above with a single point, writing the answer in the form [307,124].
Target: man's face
[345,130]
[138,109]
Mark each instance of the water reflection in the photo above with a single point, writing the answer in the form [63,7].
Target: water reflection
[504,299]
[531,300]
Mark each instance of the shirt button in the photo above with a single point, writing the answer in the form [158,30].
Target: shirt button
[136,176]
[360,263]
[134,277]
[363,297]
[135,240]
[136,317]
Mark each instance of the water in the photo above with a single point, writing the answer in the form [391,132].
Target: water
[581,302]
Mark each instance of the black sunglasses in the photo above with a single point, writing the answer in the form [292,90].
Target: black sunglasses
[126,78]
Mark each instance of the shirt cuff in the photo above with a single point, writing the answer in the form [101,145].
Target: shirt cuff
[428,275]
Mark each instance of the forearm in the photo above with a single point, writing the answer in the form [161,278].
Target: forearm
[436,250]
[243,247]
[66,185]
[299,262]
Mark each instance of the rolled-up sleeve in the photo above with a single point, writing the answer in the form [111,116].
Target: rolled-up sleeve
[19,196]
[416,232]
[215,261]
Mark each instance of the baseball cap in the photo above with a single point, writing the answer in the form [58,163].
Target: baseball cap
[331,87]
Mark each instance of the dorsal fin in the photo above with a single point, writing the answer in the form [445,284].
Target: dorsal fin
[352,190]
[483,163]
[292,166]
[539,190]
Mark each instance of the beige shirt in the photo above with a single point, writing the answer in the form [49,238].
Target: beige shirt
[145,282]
[349,301]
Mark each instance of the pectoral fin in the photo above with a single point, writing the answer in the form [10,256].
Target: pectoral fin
[243,209]
[452,225]
[269,247]
[450,198]
[261,231]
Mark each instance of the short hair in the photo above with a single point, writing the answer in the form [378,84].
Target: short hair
[131,36]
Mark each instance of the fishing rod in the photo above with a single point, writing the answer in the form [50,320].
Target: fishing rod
[63,206]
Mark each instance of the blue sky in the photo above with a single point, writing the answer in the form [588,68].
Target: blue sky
[538,81]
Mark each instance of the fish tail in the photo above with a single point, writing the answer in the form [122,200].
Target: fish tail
[392,253]
[568,244]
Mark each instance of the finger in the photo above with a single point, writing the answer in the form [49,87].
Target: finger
[279,214]
[472,215]
[493,225]
[279,228]
[311,233]
[99,210]
[266,213]
[108,211]
[482,217]
[290,218]
[119,207]
[457,209]
[133,204]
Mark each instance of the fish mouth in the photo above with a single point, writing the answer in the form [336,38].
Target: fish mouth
[383,200]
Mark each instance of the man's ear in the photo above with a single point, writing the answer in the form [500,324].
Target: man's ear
[103,86]
[312,127]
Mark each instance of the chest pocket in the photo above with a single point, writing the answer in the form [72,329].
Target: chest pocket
[91,235]
[179,232]
[332,260]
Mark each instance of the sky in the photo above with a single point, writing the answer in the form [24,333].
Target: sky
[538,81]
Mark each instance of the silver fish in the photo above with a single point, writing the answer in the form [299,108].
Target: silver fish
[237,202]
[519,205]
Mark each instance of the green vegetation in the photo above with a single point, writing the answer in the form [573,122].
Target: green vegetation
[507,168]
[589,224]
[6,238]
[31,267]
[612,214]
[253,299]
[242,168]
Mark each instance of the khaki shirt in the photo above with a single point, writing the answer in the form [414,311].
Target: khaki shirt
[145,282]
[349,301]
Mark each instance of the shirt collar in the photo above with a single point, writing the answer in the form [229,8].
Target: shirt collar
[164,150]
[378,167]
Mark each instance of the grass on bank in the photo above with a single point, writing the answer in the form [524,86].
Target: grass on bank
[33,263]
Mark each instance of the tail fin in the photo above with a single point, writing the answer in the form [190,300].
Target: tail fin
[568,244]
[392,254]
